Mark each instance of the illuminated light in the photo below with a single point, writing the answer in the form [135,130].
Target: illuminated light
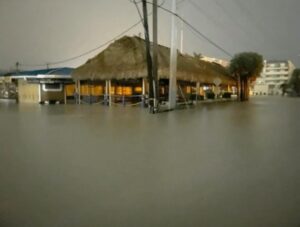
[112,90]
[84,90]
[70,89]
[188,90]
[97,90]
[138,89]
[127,91]
[119,90]
[201,91]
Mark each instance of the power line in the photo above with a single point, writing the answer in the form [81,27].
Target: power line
[196,30]
[204,12]
[218,24]
[138,10]
[124,32]
[180,2]
[234,20]
[244,8]
[94,49]
[98,47]
[87,52]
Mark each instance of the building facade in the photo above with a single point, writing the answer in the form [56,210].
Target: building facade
[38,86]
[274,74]
[222,62]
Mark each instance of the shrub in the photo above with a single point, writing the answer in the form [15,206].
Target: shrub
[226,95]
[210,95]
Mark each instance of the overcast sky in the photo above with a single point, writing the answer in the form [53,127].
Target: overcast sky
[36,32]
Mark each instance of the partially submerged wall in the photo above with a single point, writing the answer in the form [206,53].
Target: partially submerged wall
[28,93]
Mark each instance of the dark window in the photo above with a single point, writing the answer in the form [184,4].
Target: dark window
[52,86]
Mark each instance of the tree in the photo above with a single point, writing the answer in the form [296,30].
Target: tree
[294,82]
[245,67]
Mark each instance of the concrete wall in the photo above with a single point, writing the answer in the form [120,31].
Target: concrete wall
[260,89]
[28,93]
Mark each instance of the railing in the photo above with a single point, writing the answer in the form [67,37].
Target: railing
[136,100]
[121,100]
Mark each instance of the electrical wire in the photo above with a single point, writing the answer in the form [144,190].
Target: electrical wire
[138,10]
[244,9]
[128,29]
[218,24]
[87,52]
[180,2]
[47,64]
[195,30]
[204,12]
[233,20]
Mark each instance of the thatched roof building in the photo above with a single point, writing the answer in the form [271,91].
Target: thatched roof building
[126,59]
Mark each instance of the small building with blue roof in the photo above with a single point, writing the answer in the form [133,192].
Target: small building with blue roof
[40,86]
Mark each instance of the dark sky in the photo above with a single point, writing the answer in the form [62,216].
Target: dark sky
[36,32]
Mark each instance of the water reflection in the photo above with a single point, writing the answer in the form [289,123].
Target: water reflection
[223,164]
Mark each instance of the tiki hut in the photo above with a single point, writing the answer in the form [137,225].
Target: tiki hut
[125,60]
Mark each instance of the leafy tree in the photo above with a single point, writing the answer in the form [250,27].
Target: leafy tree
[294,82]
[245,67]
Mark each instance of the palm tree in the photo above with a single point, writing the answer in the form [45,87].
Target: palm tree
[245,67]
[294,82]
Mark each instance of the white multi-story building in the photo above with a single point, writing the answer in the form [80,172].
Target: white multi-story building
[274,74]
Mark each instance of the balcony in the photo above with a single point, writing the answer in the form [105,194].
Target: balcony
[276,73]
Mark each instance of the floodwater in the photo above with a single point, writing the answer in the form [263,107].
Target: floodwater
[218,164]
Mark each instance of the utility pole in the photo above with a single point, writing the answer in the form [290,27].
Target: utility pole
[17,66]
[154,57]
[181,35]
[173,61]
[148,55]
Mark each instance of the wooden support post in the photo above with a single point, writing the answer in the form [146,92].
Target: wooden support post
[90,92]
[106,93]
[123,100]
[79,92]
[75,91]
[65,94]
[197,91]
[173,61]
[109,92]
[239,88]
[143,92]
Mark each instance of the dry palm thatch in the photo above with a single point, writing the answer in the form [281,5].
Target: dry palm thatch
[126,59]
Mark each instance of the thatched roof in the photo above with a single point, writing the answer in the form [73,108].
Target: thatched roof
[126,59]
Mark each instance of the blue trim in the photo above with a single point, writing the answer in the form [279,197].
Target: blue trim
[65,71]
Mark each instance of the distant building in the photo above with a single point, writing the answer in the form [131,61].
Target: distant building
[274,74]
[222,62]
